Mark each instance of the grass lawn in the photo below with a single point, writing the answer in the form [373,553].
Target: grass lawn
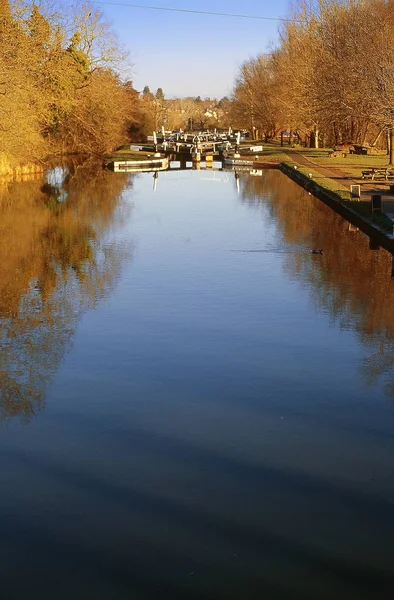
[272,152]
[127,154]
[271,156]
[326,183]
[352,164]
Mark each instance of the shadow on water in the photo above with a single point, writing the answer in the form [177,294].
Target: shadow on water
[172,568]
[55,263]
[350,280]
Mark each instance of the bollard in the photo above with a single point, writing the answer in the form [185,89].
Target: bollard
[373,244]
[355,191]
[376,203]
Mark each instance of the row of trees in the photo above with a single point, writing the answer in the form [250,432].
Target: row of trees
[181,113]
[59,86]
[61,90]
[331,79]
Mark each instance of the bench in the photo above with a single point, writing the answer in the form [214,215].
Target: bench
[386,174]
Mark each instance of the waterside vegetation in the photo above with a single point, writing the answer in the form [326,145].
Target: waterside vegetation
[329,81]
[60,91]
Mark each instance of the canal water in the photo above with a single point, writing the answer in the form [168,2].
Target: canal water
[193,405]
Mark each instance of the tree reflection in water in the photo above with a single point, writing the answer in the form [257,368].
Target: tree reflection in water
[56,261]
[349,281]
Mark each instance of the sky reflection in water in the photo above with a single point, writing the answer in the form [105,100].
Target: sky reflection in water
[218,414]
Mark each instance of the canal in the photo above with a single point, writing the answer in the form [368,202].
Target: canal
[193,405]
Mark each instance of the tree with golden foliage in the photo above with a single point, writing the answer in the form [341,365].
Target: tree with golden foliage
[331,76]
[57,78]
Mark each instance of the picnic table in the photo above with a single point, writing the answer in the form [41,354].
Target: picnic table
[336,153]
[373,174]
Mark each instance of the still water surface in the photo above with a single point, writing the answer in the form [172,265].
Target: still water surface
[192,404]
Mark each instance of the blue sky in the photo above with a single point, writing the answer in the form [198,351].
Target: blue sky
[191,54]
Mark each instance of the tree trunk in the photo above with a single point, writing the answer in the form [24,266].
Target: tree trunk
[335,131]
[365,134]
[391,162]
[290,138]
[377,138]
[316,136]
[281,138]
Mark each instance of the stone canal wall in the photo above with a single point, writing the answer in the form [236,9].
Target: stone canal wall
[375,232]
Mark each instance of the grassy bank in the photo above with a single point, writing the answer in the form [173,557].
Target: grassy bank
[352,164]
[10,171]
[338,197]
[316,179]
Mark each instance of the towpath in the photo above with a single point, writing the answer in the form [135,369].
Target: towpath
[345,179]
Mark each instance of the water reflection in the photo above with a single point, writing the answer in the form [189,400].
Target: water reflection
[55,183]
[56,261]
[349,281]
[208,434]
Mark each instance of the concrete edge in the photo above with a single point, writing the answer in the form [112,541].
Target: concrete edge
[379,235]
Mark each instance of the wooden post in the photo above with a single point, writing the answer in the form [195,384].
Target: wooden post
[196,155]
[237,181]
[238,141]
[376,204]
